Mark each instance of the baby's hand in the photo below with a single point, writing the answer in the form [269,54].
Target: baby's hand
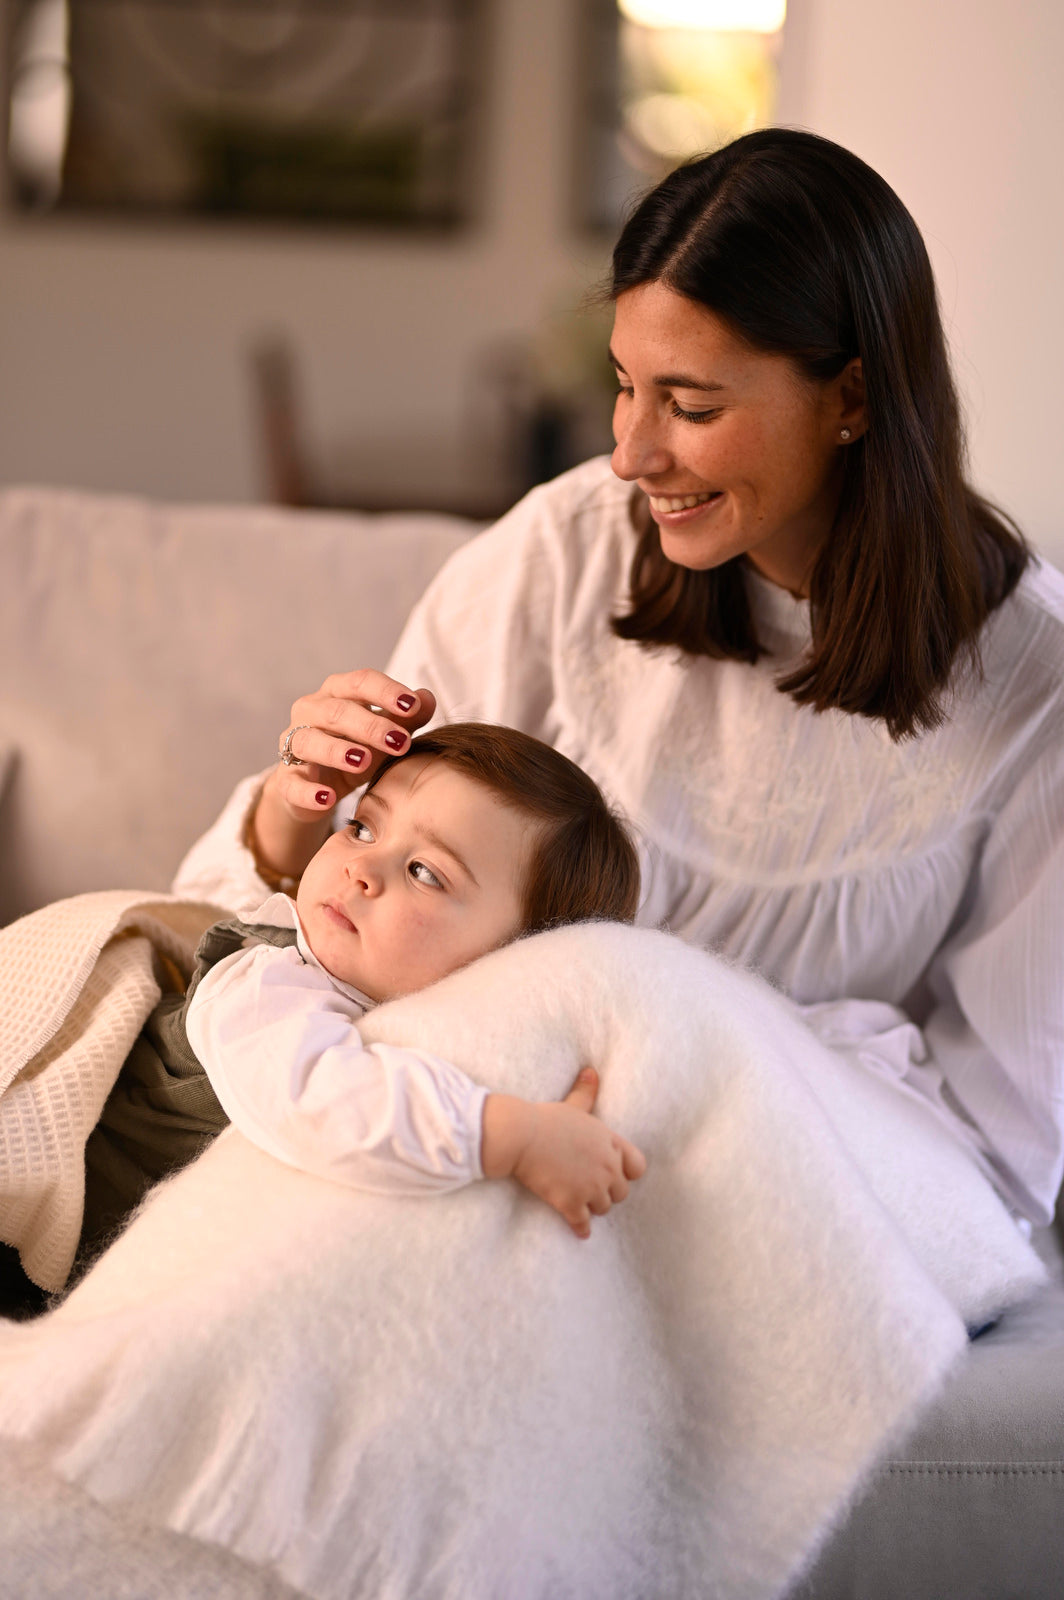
[561,1152]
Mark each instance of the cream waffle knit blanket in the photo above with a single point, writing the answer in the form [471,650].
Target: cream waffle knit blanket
[455,1399]
[77,981]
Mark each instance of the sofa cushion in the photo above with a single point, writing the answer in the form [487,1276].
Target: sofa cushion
[972,1506]
[148,658]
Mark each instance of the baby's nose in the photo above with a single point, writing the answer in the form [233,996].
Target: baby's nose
[366,877]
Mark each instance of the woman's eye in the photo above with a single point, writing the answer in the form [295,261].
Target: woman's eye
[692,416]
[360,831]
[424,874]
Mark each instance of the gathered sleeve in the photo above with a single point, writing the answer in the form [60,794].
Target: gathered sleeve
[981,1039]
[220,869]
[481,637]
[284,1056]
[996,1030]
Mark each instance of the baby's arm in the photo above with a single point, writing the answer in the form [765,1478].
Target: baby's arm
[560,1151]
[288,1065]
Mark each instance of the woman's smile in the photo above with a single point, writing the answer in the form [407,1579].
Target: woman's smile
[674,511]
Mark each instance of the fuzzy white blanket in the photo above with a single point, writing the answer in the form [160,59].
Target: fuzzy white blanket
[454,1399]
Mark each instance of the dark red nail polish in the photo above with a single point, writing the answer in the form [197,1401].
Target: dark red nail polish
[354,758]
[395,741]
[322,797]
[405,702]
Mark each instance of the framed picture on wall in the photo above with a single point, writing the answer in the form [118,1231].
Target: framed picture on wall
[317,111]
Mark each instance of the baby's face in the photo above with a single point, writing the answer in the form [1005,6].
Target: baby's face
[427,877]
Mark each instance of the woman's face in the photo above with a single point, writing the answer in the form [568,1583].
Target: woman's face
[738,452]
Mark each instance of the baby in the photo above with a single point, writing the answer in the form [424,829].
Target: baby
[476,836]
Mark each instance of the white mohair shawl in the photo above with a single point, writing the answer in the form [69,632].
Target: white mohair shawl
[455,1399]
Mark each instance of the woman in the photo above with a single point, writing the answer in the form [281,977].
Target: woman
[823,677]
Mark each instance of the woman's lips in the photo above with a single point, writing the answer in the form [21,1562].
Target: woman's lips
[674,509]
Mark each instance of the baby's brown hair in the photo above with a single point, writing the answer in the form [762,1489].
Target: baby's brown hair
[582,863]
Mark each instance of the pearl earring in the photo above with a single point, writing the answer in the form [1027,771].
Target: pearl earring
[845,434]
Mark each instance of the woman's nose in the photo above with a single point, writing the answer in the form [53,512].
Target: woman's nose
[639,452]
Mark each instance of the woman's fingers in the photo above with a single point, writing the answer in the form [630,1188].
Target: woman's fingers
[304,792]
[326,727]
[400,709]
[350,754]
[338,736]
[371,688]
[346,716]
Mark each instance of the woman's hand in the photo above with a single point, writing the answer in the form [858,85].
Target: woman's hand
[343,732]
[337,738]
[561,1152]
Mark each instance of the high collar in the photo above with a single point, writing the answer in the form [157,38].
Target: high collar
[782,620]
[279,911]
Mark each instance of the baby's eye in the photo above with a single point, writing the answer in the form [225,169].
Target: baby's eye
[360,830]
[424,874]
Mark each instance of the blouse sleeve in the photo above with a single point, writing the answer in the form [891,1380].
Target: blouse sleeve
[481,636]
[220,869]
[996,1030]
[285,1058]
[988,1059]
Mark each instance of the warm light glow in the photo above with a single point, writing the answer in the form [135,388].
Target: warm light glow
[40,102]
[672,125]
[686,92]
[724,16]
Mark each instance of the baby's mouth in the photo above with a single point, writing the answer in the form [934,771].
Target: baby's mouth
[337,915]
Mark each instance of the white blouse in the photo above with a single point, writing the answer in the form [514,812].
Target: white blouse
[910,896]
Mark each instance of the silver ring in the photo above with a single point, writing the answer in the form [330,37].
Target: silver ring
[285,751]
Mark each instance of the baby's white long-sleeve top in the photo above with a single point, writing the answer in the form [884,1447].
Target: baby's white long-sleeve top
[277,1036]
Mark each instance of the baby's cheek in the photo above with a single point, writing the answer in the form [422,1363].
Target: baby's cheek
[439,945]
[315,874]
[423,935]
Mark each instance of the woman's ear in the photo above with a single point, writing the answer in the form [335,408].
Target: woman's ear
[850,411]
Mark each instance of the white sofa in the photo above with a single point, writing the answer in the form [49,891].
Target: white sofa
[148,656]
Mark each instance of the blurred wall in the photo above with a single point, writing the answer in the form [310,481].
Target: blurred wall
[123,349]
[959,105]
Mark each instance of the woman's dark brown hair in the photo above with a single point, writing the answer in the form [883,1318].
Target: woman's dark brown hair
[804,251]
[582,863]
